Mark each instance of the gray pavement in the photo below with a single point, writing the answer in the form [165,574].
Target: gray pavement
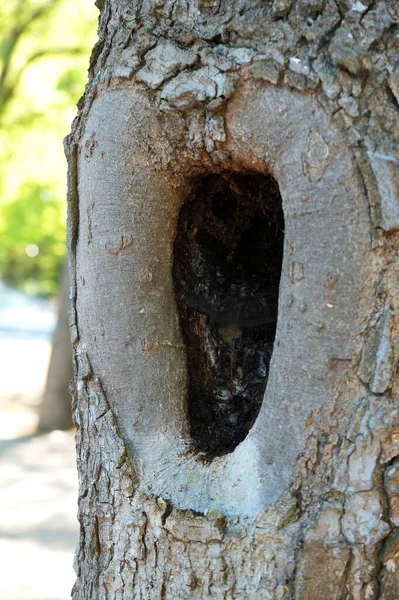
[38,483]
[38,527]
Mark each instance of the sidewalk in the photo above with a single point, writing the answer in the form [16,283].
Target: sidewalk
[38,527]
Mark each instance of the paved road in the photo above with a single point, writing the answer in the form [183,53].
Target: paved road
[38,527]
[38,487]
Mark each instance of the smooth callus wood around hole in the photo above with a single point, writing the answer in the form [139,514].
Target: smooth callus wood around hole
[196,291]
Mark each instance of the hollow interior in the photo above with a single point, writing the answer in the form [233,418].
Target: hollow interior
[228,255]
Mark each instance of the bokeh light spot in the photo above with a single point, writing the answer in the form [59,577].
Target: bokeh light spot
[32,250]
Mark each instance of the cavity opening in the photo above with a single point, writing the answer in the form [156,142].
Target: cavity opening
[228,254]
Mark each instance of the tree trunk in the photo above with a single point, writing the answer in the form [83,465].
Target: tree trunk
[55,409]
[233,241]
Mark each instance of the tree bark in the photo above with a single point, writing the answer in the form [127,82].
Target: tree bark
[204,104]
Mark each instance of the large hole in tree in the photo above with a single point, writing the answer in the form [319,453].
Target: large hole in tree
[228,254]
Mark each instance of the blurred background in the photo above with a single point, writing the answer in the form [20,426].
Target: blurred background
[44,52]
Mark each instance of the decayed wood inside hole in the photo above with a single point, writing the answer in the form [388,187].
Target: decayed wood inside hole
[227,263]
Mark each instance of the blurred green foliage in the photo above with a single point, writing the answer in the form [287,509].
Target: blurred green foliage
[44,51]
[33,223]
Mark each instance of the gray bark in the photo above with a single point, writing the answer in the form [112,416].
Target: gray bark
[55,409]
[306,507]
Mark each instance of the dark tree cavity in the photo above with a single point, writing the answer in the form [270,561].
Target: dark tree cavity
[228,255]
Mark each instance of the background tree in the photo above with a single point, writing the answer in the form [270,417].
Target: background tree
[213,134]
[55,408]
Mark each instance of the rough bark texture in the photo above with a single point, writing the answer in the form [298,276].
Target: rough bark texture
[306,507]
